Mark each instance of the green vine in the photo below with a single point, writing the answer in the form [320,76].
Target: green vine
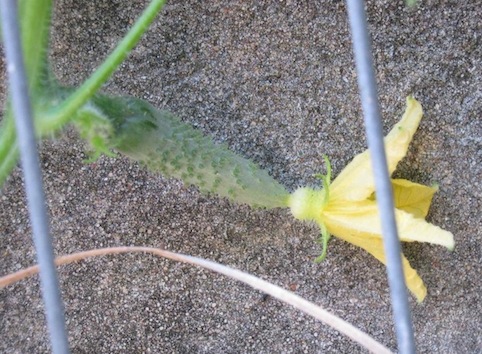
[157,139]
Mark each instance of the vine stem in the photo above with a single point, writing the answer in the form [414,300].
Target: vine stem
[35,17]
[275,291]
[8,147]
[65,111]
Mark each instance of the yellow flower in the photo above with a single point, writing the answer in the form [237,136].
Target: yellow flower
[347,208]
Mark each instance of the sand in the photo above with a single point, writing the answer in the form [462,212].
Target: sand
[276,82]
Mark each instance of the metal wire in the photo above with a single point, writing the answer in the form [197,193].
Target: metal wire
[374,132]
[36,199]
[32,175]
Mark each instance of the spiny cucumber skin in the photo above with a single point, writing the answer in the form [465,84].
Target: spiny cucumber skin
[163,143]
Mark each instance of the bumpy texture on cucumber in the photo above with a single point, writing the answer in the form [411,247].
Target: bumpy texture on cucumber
[163,143]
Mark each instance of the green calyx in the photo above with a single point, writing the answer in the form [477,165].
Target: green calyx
[308,204]
[325,235]
[324,238]
[326,180]
[96,129]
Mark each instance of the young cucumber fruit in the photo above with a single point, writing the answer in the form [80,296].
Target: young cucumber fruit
[163,143]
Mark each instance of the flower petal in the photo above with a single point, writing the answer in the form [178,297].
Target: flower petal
[411,197]
[356,182]
[411,229]
[412,279]
[373,244]
[362,218]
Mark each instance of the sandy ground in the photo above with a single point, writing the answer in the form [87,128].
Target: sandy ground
[276,82]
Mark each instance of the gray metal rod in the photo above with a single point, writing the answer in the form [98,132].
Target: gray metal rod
[32,175]
[374,132]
